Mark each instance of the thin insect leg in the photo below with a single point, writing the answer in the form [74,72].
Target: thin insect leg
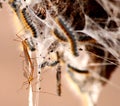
[29,78]
[104,75]
[102,57]
[26,71]
[21,29]
[98,76]
[24,43]
[102,48]
[44,92]
[99,64]
[17,40]
[19,37]
[28,75]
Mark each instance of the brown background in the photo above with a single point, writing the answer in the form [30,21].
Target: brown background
[11,75]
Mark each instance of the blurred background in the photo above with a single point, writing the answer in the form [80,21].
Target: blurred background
[11,74]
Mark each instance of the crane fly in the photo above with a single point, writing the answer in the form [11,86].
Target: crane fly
[27,59]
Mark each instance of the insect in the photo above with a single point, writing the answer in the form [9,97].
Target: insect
[58,65]
[59,35]
[58,74]
[69,35]
[49,61]
[24,16]
[28,75]
[58,77]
